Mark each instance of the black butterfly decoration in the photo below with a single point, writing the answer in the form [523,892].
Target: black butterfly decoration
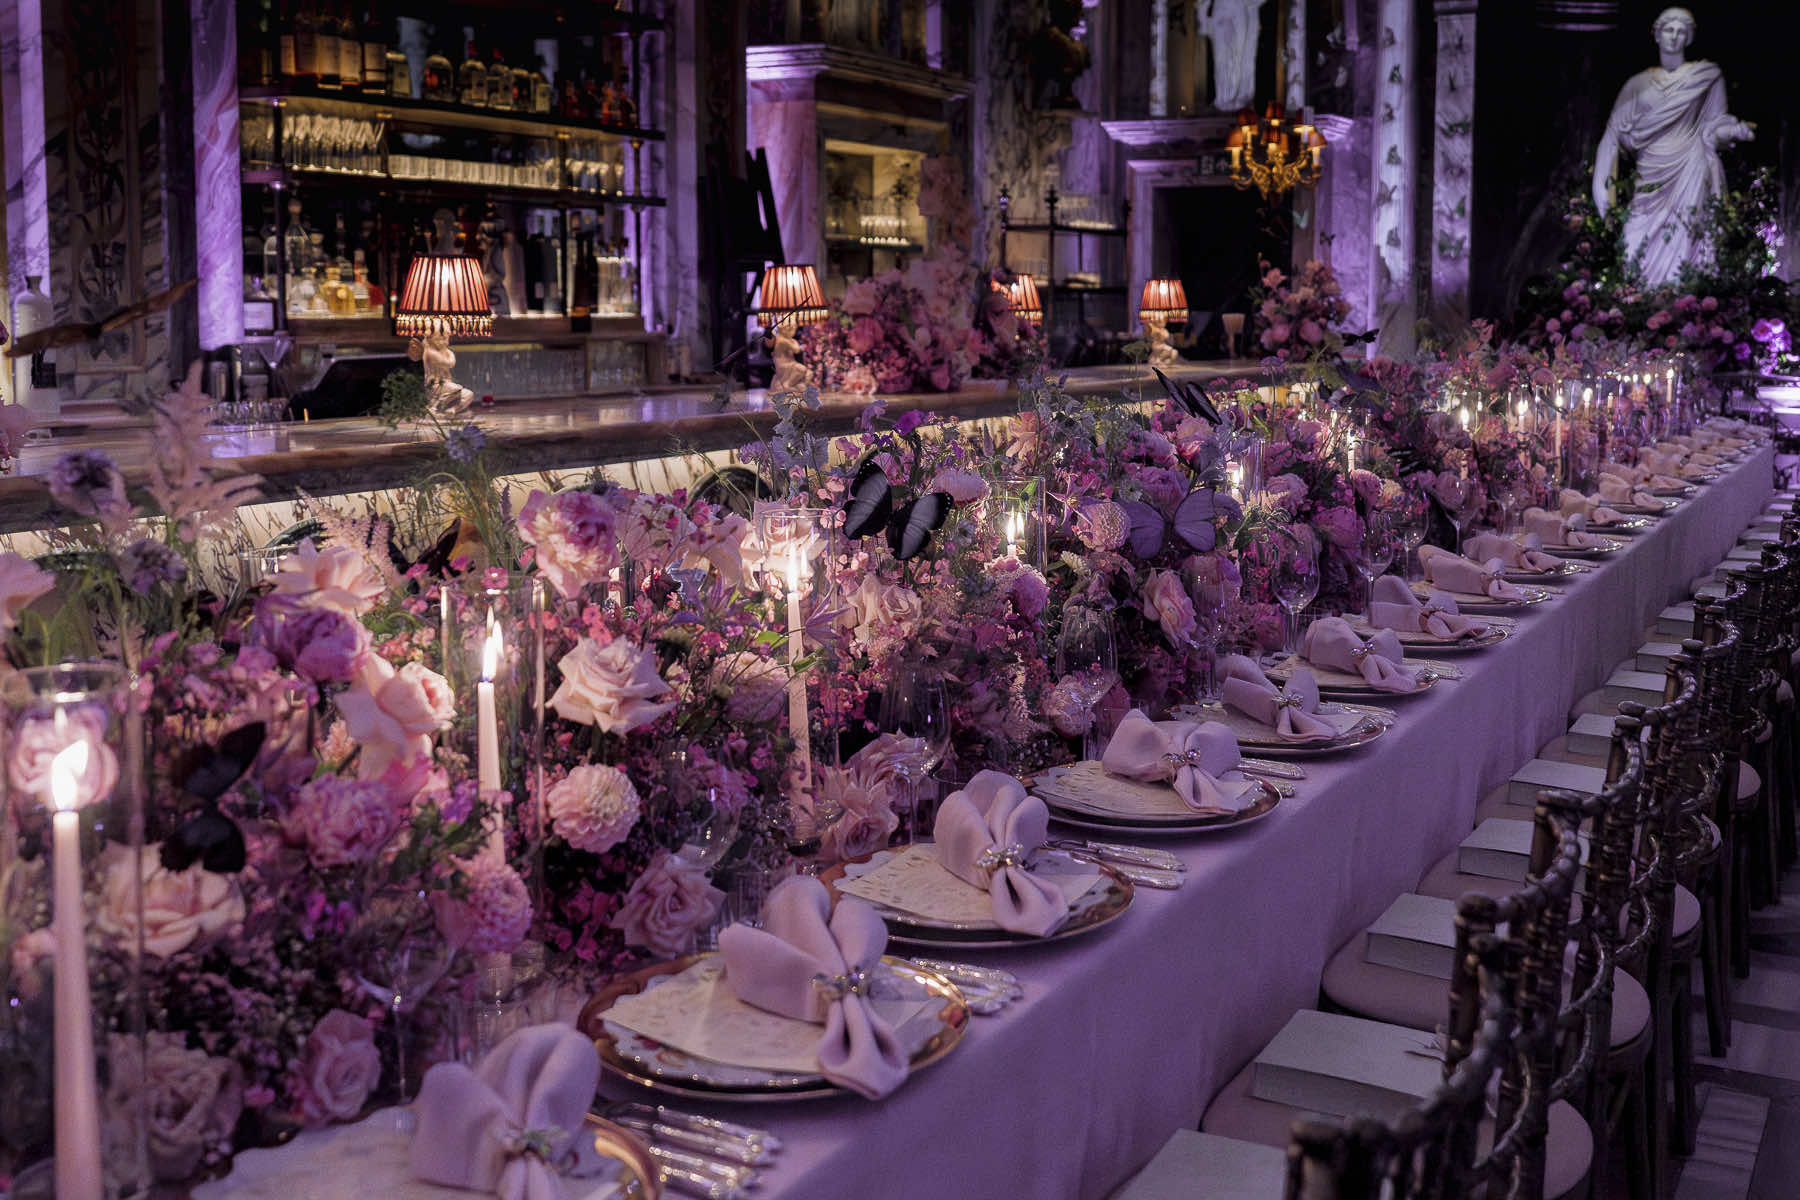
[870,508]
[1191,397]
[208,836]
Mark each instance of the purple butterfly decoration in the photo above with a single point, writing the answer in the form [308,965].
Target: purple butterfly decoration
[1194,518]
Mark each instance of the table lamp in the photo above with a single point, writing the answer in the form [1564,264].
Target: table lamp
[790,294]
[1025,303]
[1164,304]
[444,296]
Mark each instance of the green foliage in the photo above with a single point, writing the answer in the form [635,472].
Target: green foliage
[403,397]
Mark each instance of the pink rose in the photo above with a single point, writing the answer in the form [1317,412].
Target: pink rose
[179,907]
[614,686]
[1167,601]
[721,543]
[394,713]
[340,822]
[338,1068]
[21,582]
[654,532]
[962,486]
[593,807]
[336,577]
[1340,526]
[37,741]
[190,1100]
[866,805]
[861,298]
[1288,492]
[865,334]
[667,905]
[877,609]
[575,534]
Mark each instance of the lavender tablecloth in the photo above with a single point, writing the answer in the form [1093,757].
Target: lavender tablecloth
[1123,1036]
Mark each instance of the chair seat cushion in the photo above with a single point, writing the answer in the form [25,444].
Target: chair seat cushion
[1748,782]
[1686,915]
[1235,1113]
[1557,750]
[1192,1165]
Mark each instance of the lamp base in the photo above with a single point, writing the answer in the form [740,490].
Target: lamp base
[446,397]
[791,375]
[1162,354]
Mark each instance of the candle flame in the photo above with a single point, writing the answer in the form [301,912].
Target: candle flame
[491,649]
[1463,416]
[66,770]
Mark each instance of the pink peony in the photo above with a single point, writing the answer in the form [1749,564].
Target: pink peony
[393,714]
[667,905]
[322,645]
[1366,485]
[865,334]
[593,807]
[1167,601]
[336,577]
[340,822]
[576,537]
[1340,526]
[1102,525]
[654,532]
[179,907]
[338,1067]
[21,582]
[614,686]
[1288,492]
[861,298]
[1310,333]
[1029,592]
[1163,488]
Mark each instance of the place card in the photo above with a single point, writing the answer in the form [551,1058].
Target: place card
[1500,848]
[1417,934]
[1086,787]
[1629,683]
[1193,1164]
[1347,1066]
[696,1012]
[1677,620]
[1654,656]
[1591,734]
[1542,773]
[912,881]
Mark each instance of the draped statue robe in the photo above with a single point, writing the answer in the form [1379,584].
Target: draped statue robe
[1673,122]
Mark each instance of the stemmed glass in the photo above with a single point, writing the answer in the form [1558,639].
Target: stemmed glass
[915,705]
[399,957]
[1200,575]
[1085,646]
[1296,580]
[1468,508]
[1379,545]
[1409,530]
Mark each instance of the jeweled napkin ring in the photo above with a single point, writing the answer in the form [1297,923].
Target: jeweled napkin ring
[1178,759]
[996,858]
[1286,699]
[546,1145]
[1363,651]
[853,982]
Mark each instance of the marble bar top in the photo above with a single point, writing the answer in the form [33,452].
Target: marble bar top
[359,454]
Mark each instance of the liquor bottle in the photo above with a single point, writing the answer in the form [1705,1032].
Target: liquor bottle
[573,105]
[472,80]
[628,109]
[534,265]
[326,49]
[350,55]
[256,58]
[540,89]
[306,46]
[374,54]
[521,88]
[399,74]
[500,90]
[284,45]
[295,242]
[359,287]
[439,82]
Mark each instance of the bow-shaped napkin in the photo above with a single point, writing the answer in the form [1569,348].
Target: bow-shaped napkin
[1453,572]
[1522,553]
[1575,504]
[1292,711]
[1392,605]
[511,1125]
[802,965]
[1330,642]
[1192,755]
[985,833]
[1613,490]
[1665,464]
[1558,530]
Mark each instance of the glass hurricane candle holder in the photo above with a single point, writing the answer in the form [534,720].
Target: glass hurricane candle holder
[492,634]
[1013,514]
[72,872]
[793,563]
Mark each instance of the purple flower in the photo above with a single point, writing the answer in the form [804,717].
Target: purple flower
[88,482]
[147,562]
[462,445]
[321,644]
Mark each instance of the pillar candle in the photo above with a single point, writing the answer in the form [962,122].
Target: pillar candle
[78,1175]
[798,723]
[487,734]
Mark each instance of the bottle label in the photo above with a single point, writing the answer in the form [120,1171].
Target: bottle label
[325,52]
[350,58]
[288,68]
[306,50]
[374,63]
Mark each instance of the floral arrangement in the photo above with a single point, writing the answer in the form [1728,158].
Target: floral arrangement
[1300,320]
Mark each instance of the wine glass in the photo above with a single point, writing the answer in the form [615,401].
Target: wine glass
[399,956]
[1409,523]
[1296,580]
[915,705]
[1200,575]
[1085,647]
[1379,545]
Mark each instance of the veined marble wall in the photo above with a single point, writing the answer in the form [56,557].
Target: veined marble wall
[219,235]
[1452,162]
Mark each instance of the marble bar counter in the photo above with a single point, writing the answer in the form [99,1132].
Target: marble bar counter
[323,458]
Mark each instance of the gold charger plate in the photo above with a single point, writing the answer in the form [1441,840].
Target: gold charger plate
[1415,640]
[1267,797]
[1611,545]
[953,1019]
[1335,684]
[1485,605]
[1253,735]
[1561,572]
[1109,906]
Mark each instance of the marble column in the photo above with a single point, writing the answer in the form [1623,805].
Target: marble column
[1394,176]
[1343,218]
[1453,160]
[705,97]
[218,198]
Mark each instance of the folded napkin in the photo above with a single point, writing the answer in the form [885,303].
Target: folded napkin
[1292,711]
[1624,471]
[1191,755]
[1614,490]
[1455,573]
[1330,642]
[511,1126]
[803,966]
[1558,530]
[1523,553]
[1659,464]
[984,833]
[1392,605]
[1573,503]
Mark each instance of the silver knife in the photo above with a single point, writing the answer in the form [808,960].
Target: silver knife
[1120,852]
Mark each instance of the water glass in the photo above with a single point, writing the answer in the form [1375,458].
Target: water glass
[1379,545]
[915,705]
[1296,580]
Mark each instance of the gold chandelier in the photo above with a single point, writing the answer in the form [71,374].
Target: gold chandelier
[1274,155]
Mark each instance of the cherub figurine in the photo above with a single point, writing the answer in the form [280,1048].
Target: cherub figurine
[446,396]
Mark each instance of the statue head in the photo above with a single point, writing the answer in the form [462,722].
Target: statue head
[1673,30]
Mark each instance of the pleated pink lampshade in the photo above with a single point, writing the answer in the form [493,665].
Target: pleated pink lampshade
[1164,300]
[1024,295]
[791,290]
[444,293]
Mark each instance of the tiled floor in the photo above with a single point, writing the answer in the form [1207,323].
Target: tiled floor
[1749,1138]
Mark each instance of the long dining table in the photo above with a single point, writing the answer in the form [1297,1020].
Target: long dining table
[1123,1034]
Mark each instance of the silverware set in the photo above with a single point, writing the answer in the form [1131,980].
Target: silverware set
[987,989]
[699,1156]
[1143,866]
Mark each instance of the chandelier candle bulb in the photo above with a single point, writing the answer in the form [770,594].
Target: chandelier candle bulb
[78,1174]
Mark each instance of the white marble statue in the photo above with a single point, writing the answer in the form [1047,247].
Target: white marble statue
[1673,118]
[1232,26]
